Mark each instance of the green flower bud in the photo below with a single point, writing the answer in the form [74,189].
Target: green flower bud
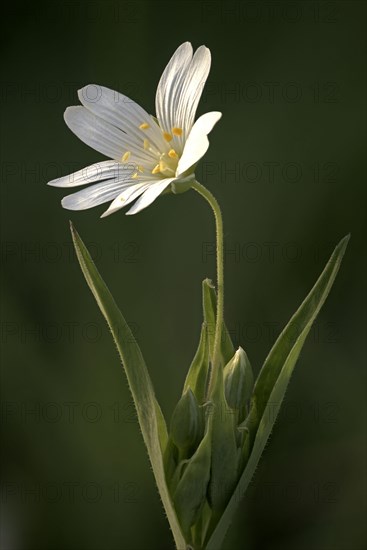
[238,380]
[187,427]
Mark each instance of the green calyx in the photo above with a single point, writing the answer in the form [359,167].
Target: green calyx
[183,184]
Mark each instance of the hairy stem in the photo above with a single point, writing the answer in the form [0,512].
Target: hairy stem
[204,192]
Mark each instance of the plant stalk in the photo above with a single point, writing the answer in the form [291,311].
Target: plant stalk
[209,197]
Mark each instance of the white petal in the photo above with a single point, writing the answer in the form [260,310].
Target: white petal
[107,169]
[197,143]
[94,195]
[197,74]
[180,89]
[153,191]
[123,113]
[126,197]
[97,133]
[170,82]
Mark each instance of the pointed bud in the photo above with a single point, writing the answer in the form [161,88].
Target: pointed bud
[187,424]
[238,380]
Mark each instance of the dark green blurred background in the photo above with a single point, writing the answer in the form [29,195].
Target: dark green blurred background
[286,164]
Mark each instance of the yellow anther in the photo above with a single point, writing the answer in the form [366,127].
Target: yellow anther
[140,168]
[135,175]
[162,166]
[167,136]
[144,126]
[177,131]
[126,156]
[146,144]
[172,153]
[156,169]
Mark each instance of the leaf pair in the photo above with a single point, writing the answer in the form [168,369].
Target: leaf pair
[202,515]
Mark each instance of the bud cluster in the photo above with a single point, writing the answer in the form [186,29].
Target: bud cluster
[207,450]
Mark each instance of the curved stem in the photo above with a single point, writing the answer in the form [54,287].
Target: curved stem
[204,192]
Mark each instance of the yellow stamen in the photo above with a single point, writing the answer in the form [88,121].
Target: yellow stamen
[146,144]
[156,169]
[177,131]
[162,166]
[172,154]
[135,175]
[126,156]
[167,136]
[144,126]
[140,168]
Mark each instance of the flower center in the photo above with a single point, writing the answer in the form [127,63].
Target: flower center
[166,162]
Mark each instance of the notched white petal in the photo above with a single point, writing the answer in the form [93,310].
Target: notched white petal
[121,112]
[126,197]
[150,195]
[97,133]
[108,169]
[94,195]
[170,85]
[181,87]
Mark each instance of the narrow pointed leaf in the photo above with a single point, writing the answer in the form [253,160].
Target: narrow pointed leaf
[299,325]
[224,464]
[273,380]
[210,315]
[150,417]
[190,494]
[196,378]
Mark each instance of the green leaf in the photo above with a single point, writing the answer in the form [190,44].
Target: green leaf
[273,380]
[224,467]
[298,327]
[197,376]
[210,310]
[200,529]
[151,420]
[190,494]
[251,421]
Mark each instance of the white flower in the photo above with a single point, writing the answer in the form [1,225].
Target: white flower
[148,153]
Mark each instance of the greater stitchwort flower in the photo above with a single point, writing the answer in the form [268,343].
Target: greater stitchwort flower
[205,457]
[149,153]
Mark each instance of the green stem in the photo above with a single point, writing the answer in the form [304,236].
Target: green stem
[204,192]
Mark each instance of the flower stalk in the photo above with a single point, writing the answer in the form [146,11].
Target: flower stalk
[209,197]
